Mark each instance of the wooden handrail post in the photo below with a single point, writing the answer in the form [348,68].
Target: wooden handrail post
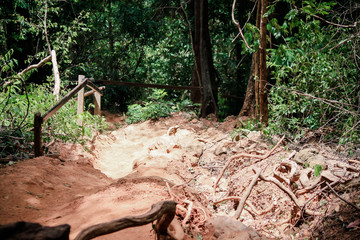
[38,120]
[97,103]
[80,105]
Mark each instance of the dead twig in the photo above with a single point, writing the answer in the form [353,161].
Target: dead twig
[354,161]
[172,196]
[227,199]
[351,204]
[241,155]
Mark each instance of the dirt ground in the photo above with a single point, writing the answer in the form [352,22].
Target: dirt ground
[127,170]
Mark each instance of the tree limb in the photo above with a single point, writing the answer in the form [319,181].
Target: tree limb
[238,25]
[40,64]
[328,22]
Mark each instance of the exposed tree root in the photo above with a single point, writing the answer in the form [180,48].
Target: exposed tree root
[242,155]
[163,212]
[246,195]
[291,195]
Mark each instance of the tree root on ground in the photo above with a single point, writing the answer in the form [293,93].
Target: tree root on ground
[245,155]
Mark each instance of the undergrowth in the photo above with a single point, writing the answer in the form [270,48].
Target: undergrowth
[18,106]
[155,107]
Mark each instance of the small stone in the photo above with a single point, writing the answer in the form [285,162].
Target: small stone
[220,149]
[228,228]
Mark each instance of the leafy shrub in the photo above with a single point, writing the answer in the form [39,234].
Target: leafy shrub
[17,120]
[316,85]
[155,107]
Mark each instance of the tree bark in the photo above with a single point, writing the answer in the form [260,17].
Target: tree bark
[249,107]
[204,67]
[263,101]
[56,75]
[251,102]
[256,70]
[196,77]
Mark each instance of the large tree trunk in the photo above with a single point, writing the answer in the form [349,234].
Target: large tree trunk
[204,67]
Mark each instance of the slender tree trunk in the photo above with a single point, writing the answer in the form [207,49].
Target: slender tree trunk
[57,81]
[263,72]
[203,60]
[196,77]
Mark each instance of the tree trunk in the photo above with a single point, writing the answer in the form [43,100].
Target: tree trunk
[263,101]
[203,60]
[256,70]
[57,81]
[251,102]
[249,107]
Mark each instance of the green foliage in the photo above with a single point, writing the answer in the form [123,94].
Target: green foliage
[316,82]
[244,129]
[155,107]
[317,170]
[16,120]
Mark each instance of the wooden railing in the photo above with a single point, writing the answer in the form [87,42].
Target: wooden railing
[80,89]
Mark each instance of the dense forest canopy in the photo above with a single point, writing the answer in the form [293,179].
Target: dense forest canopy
[294,69]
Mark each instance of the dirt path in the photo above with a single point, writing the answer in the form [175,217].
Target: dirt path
[126,171]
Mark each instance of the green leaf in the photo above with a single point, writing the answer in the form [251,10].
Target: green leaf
[317,170]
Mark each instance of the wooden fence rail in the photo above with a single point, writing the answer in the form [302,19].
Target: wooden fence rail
[40,119]
[161,86]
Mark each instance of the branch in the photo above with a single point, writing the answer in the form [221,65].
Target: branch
[351,204]
[291,194]
[345,41]
[326,101]
[238,25]
[324,20]
[40,64]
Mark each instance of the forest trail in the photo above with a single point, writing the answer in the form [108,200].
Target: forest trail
[127,170]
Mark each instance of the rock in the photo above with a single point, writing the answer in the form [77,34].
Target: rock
[175,230]
[303,155]
[254,136]
[227,228]
[310,156]
[317,160]
[220,149]
[328,175]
